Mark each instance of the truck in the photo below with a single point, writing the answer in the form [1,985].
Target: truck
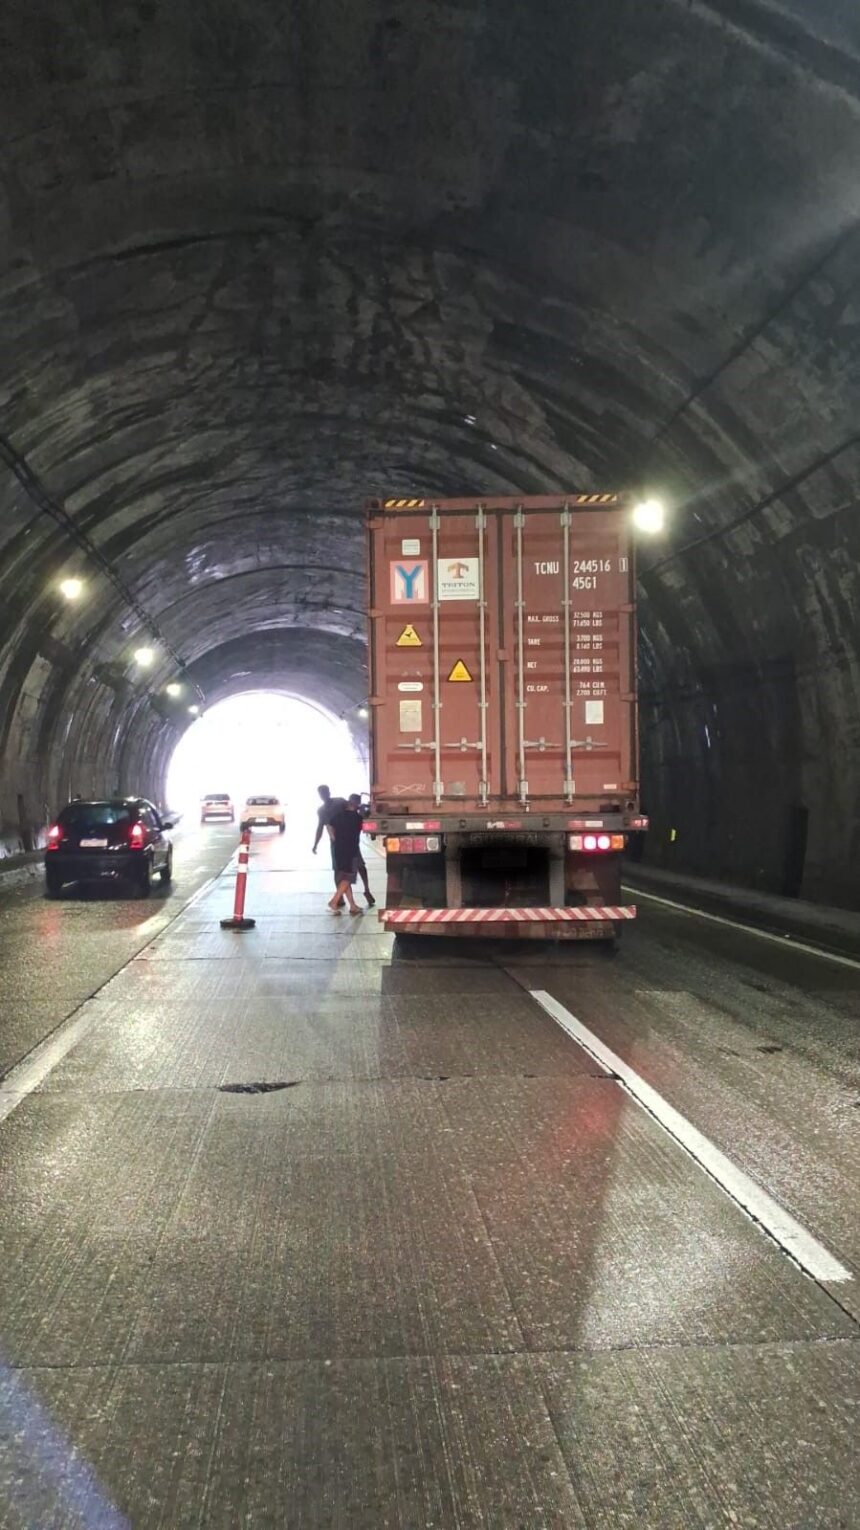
[502,713]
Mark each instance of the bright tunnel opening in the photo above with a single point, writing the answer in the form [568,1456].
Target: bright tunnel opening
[261,743]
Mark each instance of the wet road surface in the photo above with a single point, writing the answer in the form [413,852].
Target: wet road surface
[302,1230]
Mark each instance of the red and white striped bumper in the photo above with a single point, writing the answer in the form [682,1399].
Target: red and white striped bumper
[581,915]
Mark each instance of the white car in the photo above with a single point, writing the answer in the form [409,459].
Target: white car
[265,811]
[216,805]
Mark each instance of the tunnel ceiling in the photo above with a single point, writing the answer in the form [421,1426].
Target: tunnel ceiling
[260,261]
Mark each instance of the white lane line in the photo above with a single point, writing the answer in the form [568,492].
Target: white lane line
[811,1255]
[33,1069]
[29,1074]
[788,942]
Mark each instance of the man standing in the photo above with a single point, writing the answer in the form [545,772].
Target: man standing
[344,826]
[329,806]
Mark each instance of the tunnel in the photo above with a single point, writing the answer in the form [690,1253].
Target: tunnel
[261,264]
[375,1165]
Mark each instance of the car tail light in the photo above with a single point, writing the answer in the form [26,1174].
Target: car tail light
[592,843]
[55,835]
[137,836]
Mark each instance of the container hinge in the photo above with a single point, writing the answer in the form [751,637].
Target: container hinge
[463,744]
[583,743]
[538,743]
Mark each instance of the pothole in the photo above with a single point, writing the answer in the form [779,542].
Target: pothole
[262,1088]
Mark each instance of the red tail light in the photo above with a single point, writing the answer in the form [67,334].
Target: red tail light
[55,835]
[595,842]
[137,836]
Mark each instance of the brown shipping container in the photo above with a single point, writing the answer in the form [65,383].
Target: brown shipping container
[502,656]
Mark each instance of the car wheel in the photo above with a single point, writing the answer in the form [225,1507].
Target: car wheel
[144,878]
[53,885]
[243,827]
[166,872]
[281,828]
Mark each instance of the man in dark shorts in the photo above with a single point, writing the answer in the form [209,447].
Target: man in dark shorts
[344,826]
[330,806]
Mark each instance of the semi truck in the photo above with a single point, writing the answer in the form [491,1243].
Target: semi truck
[503,718]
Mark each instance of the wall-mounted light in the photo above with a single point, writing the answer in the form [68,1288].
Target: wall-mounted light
[72,589]
[173,689]
[649,516]
[143,657]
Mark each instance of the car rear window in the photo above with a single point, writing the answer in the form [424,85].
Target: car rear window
[217,797]
[96,814]
[262,801]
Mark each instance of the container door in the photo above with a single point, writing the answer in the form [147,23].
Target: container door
[568,624]
[435,677]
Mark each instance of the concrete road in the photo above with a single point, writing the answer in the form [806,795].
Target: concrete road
[299,1230]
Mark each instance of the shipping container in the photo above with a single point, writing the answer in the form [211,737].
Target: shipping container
[503,710]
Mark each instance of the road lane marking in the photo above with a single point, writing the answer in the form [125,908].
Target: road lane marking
[29,1074]
[786,941]
[32,1070]
[811,1255]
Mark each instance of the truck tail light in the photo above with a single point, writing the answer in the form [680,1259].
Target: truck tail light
[414,844]
[595,843]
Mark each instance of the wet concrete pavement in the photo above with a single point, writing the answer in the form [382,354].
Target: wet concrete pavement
[444,1271]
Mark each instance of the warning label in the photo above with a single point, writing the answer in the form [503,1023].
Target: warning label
[459,672]
[408,638]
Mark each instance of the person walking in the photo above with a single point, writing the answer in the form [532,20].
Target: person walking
[355,801]
[344,826]
[329,805]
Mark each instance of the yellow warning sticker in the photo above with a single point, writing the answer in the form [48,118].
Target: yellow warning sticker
[408,638]
[459,672]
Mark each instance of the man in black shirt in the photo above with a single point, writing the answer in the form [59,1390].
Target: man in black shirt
[344,826]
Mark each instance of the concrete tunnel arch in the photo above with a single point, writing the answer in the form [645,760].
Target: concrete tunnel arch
[599,255]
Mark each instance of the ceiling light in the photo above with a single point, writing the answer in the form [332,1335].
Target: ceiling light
[194,710]
[143,657]
[469,419]
[173,689]
[649,516]
[72,589]
[362,711]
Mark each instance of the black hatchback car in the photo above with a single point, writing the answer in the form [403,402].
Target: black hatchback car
[121,838]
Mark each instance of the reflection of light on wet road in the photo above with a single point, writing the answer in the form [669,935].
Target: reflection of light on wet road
[46,1481]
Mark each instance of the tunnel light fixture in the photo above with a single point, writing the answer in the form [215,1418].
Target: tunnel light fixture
[72,589]
[469,419]
[194,710]
[649,516]
[143,657]
[173,689]
[362,711]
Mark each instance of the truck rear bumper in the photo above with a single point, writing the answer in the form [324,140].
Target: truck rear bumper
[580,923]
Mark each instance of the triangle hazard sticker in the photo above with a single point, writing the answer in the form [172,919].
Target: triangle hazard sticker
[408,638]
[459,672]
